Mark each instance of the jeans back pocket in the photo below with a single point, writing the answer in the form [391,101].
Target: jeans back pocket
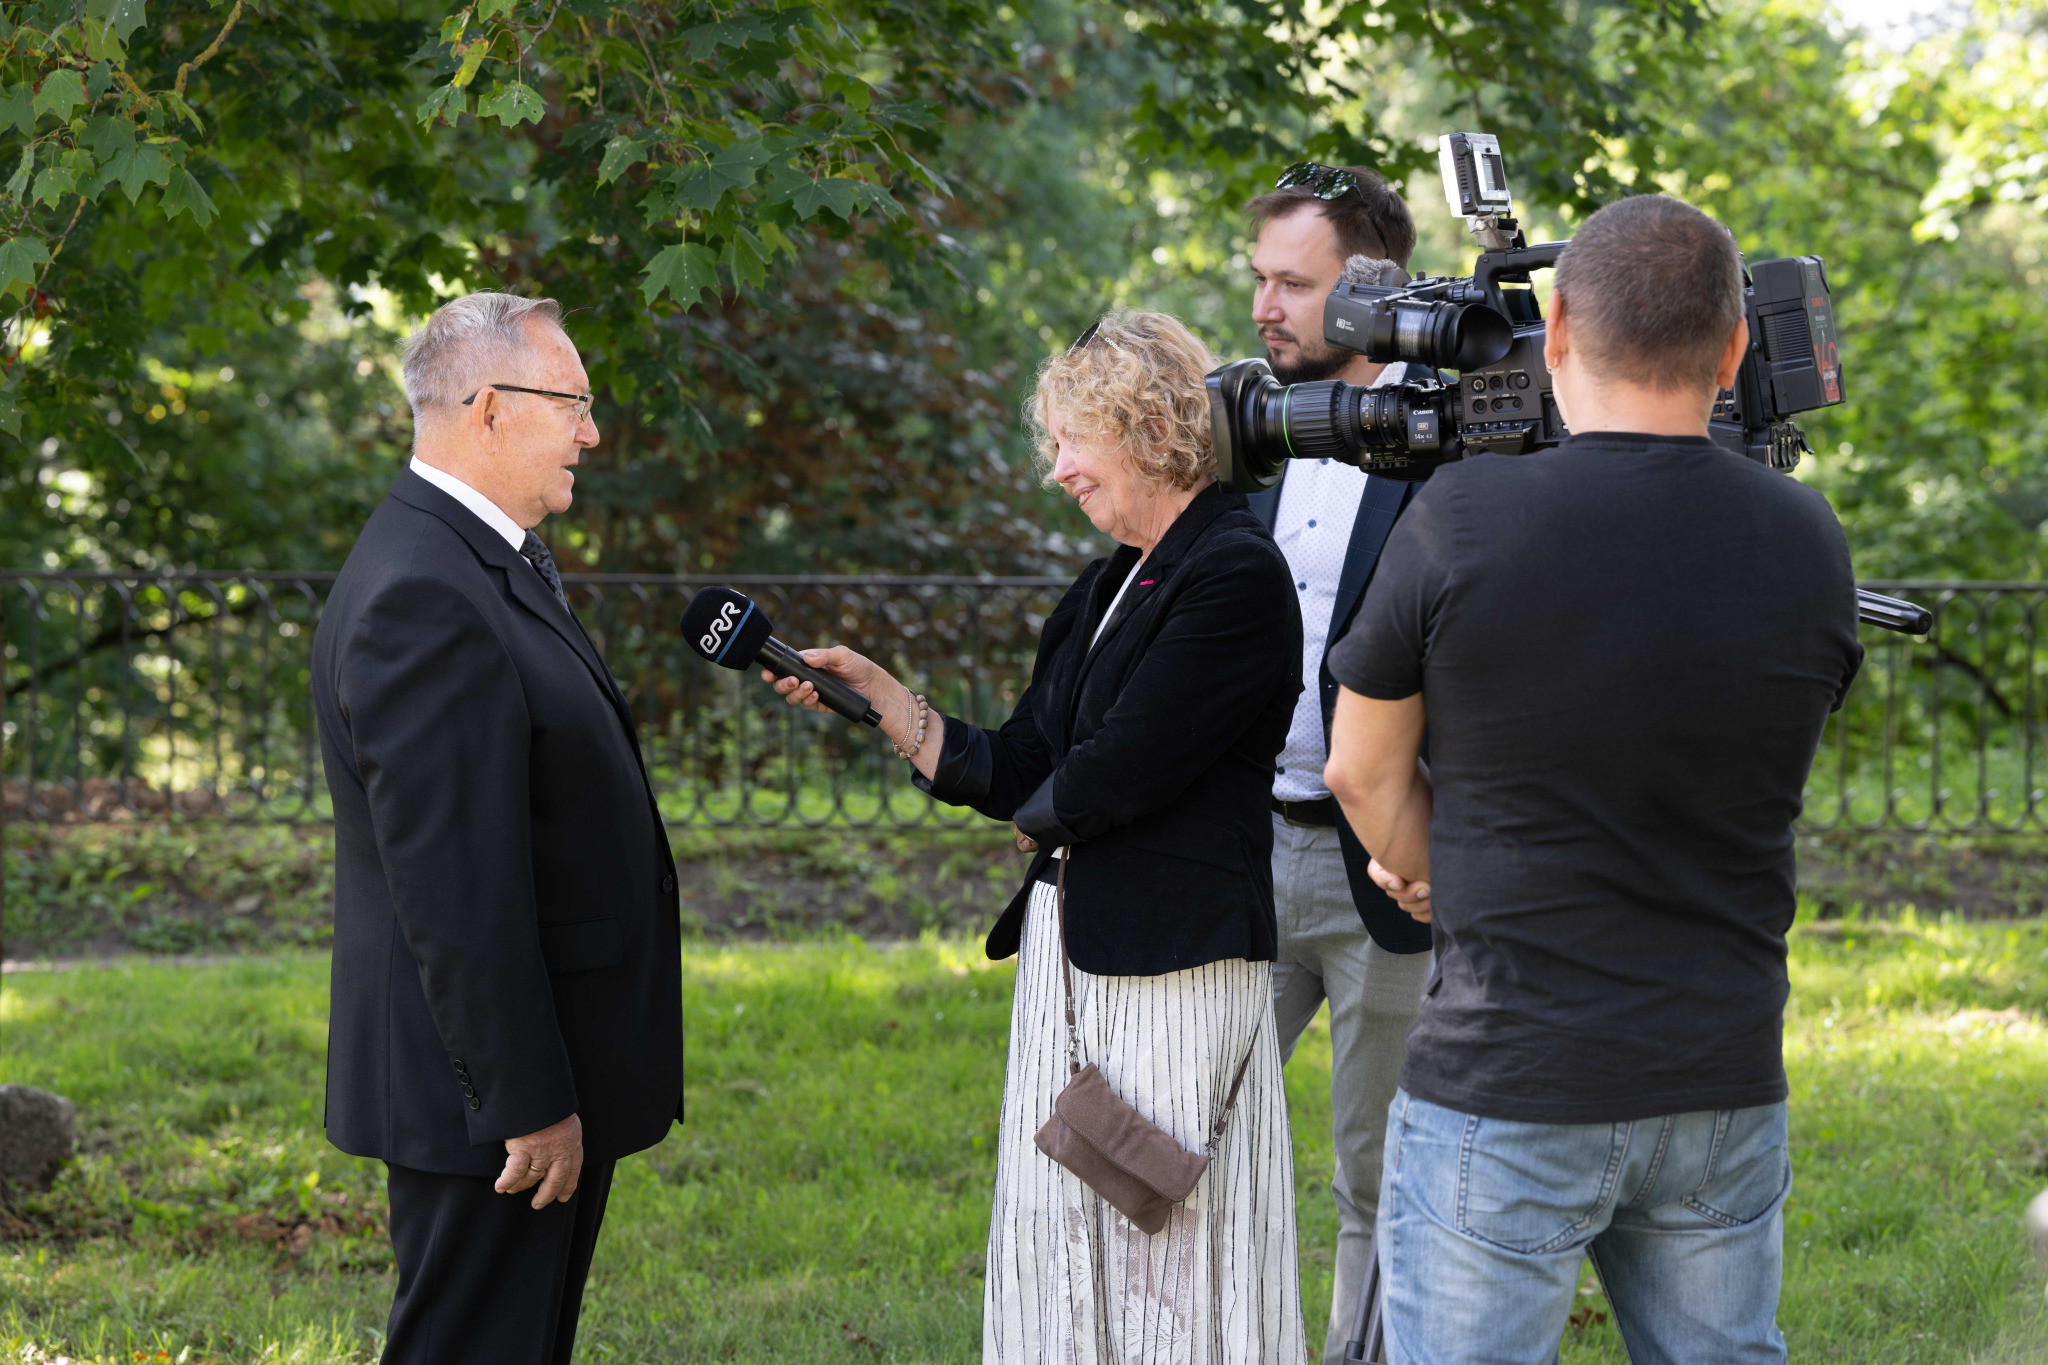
[1748,1167]
[1533,1187]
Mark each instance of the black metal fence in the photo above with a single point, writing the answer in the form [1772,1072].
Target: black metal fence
[185,696]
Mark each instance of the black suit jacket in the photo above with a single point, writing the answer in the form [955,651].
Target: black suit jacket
[506,943]
[1385,499]
[1151,755]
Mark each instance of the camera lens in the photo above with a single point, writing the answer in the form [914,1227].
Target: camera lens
[1398,431]
[1443,335]
[1387,325]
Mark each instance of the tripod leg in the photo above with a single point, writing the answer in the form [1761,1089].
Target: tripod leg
[1376,1333]
[1367,1341]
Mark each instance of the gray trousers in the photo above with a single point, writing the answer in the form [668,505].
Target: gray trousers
[1325,954]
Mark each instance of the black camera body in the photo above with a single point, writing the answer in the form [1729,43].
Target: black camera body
[1794,363]
[1488,330]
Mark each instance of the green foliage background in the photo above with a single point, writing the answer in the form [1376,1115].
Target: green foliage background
[815,252]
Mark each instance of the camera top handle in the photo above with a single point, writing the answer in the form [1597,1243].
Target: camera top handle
[1512,264]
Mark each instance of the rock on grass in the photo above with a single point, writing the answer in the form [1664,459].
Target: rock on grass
[38,1132]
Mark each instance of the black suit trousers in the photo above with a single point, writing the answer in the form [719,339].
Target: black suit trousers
[483,1277]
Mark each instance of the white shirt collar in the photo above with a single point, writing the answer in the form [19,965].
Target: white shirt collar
[487,511]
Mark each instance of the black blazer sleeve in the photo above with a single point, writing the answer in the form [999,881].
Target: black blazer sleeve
[995,771]
[1200,683]
[439,729]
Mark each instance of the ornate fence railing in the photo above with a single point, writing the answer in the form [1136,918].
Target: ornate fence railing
[184,696]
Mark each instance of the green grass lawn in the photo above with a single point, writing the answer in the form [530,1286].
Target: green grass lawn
[828,1198]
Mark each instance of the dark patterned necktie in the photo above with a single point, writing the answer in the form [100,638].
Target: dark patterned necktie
[544,565]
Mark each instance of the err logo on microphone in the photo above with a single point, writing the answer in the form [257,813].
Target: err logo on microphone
[722,626]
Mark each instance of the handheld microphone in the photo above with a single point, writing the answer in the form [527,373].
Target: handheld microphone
[733,632]
[1893,613]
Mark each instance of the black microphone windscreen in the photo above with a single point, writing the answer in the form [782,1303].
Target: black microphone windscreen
[725,627]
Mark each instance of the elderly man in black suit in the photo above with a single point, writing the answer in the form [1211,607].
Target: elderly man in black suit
[506,1008]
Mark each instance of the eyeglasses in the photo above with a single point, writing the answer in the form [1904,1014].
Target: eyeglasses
[1324,182]
[581,400]
[1085,337]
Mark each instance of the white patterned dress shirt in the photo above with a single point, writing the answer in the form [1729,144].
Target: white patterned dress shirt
[1318,506]
[488,512]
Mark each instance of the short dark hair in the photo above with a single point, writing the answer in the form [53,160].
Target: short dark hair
[1653,288]
[1370,218]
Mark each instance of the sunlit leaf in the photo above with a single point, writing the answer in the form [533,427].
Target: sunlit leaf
[491,9]
[620,154]
[513,102]
[184,194]
[683,271]
[473,55]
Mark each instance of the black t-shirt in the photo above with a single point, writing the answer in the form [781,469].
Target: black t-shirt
[1628,647]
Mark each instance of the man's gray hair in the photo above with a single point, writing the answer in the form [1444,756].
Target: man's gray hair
[1653,288]
[469,342]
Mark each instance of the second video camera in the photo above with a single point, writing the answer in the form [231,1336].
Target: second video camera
[1488,329]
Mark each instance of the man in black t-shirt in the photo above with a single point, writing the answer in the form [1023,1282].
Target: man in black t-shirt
[1626,649]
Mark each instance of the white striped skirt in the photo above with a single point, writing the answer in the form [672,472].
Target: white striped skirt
[1070,1279]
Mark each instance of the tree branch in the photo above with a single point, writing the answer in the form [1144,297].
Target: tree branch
[178,86]
[113,635]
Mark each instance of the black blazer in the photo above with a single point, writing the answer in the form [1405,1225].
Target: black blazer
[1151,755]
[506,943]
[1393,928]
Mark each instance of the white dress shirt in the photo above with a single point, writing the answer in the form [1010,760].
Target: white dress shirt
[487,511]
[1318,507]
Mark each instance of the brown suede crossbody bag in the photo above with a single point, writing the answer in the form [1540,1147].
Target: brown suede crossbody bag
[1117,1152]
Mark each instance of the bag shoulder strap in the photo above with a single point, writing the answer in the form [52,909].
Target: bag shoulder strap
[1066,967]
[1074,1029]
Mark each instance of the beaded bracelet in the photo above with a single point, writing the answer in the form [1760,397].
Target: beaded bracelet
[923,718]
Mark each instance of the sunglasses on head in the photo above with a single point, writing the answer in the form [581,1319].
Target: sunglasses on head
[1324,182]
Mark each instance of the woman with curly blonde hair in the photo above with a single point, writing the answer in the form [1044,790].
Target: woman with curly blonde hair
[1138,766]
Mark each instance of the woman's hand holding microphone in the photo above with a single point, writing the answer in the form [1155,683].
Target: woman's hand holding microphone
[900,708]
[898,705]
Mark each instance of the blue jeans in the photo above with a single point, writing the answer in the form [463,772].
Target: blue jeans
[1482,1223]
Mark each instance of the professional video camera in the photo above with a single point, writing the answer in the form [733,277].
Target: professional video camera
[1488,328]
